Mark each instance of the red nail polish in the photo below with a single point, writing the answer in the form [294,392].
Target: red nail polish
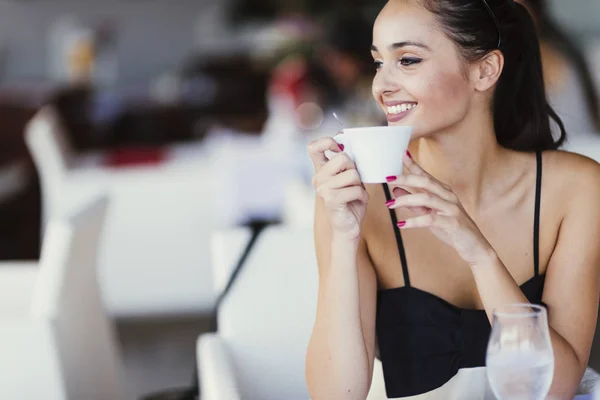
[401,224]
[341,147]
[390,203]
[390,178]
[408,154]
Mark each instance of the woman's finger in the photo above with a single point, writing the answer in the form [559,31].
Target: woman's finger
[426,183]
[431,220]
[427,200]
[338,163]
[344,179]
[342,197]
[415,169]
[412,165]
[399,192]
[317,149]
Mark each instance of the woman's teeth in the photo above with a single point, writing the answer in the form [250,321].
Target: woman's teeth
[400,108]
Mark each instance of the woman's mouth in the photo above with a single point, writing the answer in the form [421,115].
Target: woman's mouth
[399,111]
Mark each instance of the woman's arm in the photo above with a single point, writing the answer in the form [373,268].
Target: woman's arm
[572,283]
[339,360]
[341,351]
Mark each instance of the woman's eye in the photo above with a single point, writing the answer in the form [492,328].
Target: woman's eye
[377,64]
[408,61]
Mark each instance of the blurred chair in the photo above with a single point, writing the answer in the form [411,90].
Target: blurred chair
[154,261]
[52,154]
[266,319]
[56,340]
[264,322]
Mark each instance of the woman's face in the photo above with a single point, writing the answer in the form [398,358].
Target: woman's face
[421,80]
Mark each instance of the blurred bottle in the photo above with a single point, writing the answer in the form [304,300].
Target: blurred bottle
[81,57]
[60,37]
[83,54]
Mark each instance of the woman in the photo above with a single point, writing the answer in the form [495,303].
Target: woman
[569,82]
[463,213]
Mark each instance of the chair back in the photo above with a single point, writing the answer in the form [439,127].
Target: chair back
[267,317]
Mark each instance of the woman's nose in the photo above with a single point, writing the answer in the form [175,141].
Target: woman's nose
[385,83]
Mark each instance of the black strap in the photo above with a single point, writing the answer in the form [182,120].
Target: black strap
[388,197]
[536,218]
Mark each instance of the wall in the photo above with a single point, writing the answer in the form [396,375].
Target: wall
[154,35]
[579,16]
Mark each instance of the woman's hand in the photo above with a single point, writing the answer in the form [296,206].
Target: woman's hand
[338,184]
[436,207]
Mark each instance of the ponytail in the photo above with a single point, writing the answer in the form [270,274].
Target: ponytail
[521,110]
[522,113]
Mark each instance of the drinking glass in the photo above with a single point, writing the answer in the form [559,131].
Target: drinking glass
[520,359]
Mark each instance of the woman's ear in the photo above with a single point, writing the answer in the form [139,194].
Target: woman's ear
[487,71]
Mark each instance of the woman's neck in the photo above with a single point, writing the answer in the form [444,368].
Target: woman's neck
[467,157]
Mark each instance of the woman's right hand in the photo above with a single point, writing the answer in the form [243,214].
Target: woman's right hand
[338,184]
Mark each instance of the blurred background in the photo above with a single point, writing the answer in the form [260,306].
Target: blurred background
[193,118]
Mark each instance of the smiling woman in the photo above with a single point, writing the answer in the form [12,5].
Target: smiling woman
[470,226]
[428,68]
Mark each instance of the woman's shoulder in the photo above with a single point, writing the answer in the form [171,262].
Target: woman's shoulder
[568,176]
[563,164]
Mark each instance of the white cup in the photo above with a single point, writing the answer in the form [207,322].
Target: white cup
[377,151]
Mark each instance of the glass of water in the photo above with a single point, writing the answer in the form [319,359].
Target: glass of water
[520,360]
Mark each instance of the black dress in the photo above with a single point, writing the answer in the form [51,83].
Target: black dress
[424,341]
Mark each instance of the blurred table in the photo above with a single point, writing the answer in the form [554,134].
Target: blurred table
[154,259]
[100,120]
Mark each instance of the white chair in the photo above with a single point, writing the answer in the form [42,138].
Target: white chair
[56,341]
[52,155]
[264,322]
[154,261]
[266,319]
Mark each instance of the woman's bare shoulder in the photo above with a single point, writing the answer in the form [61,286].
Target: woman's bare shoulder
[564,163]
[569,175]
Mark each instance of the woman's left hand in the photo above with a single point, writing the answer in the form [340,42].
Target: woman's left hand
[436,207]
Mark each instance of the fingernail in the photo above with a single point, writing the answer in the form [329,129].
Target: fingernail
[401,224]
[390,178]
[408,154]
[390,203]
[341,147]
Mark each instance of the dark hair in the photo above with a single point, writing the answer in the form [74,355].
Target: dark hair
[520,107]
[551,32]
